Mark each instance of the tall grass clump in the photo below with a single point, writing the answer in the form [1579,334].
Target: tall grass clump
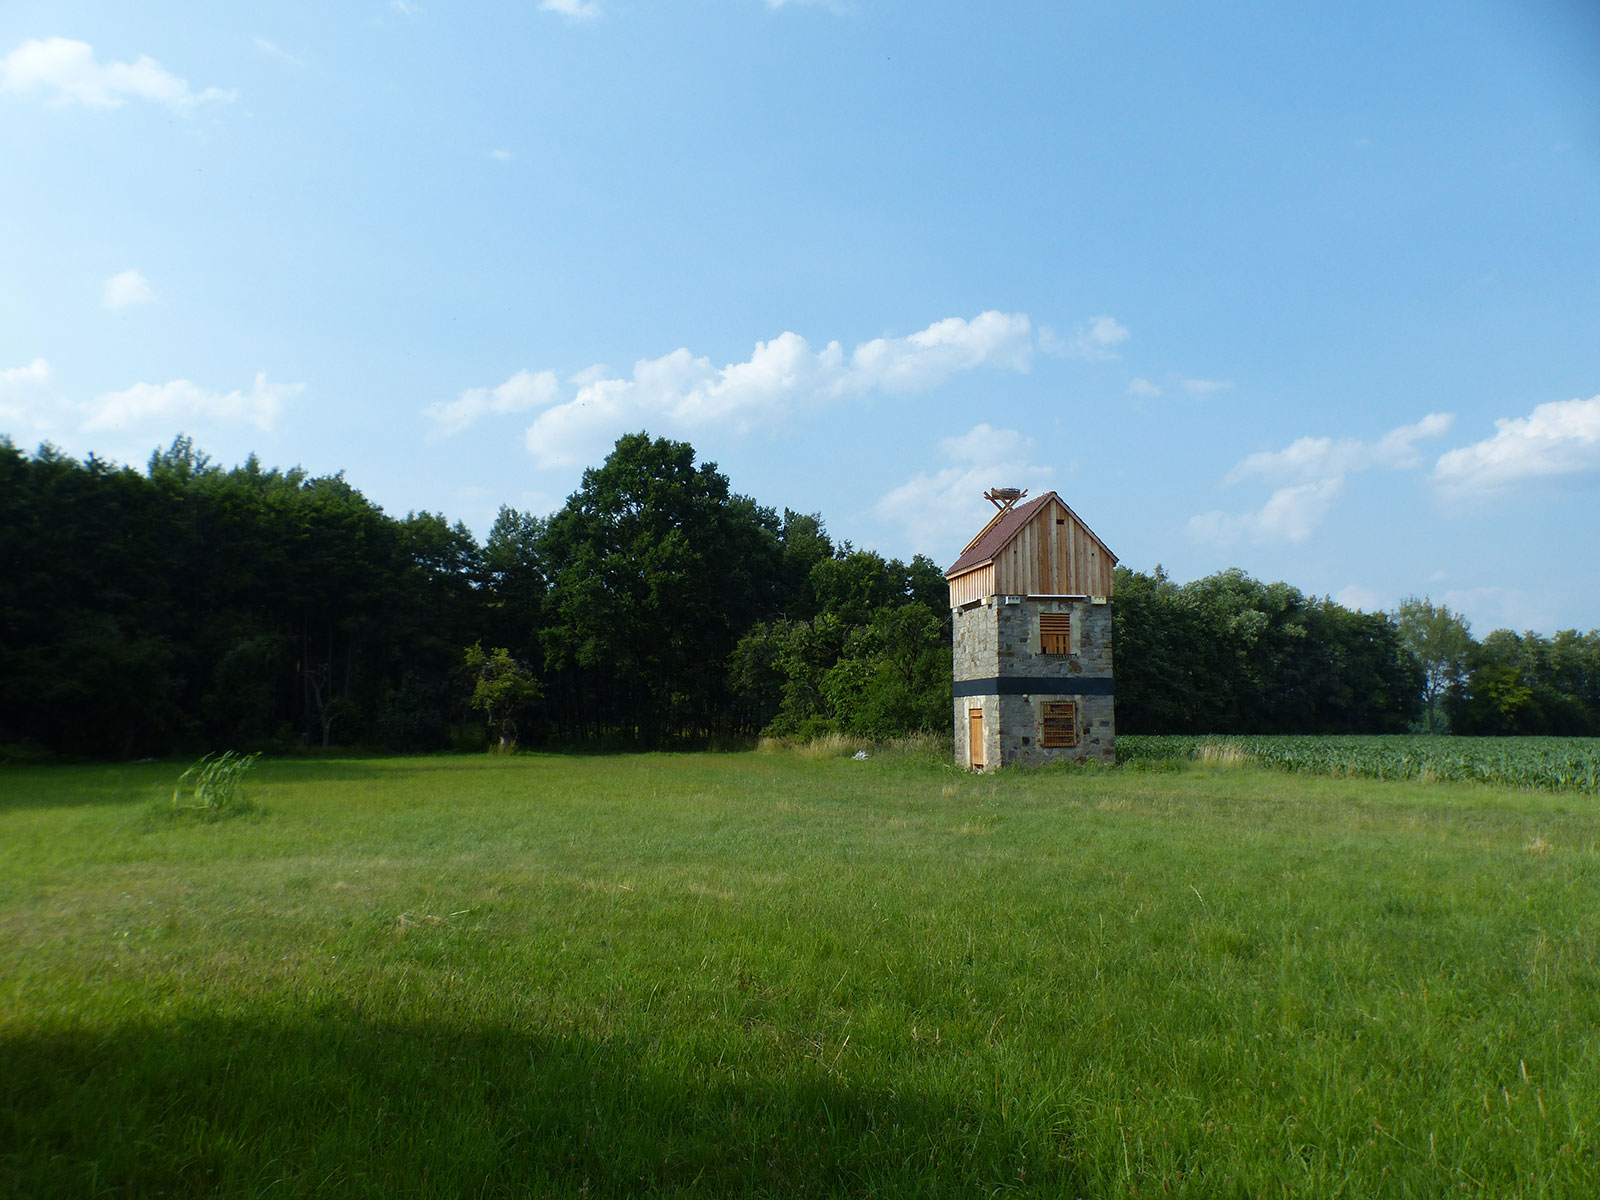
[211,786]
[834,744]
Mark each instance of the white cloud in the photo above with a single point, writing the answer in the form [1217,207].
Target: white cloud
[946,347]
[1322,457]
[940,509]
[985,445]
[24,407]
[1561,438]
[125,289]
[682,391]
[1203,387]
[1291,514]
[1095,340]
[269,47]
[1143,387]
[31,407]
[66,72]
[522,391]
[1311,474]
[500,155]
[1494,607]
[14,379]
[579,10]
[1360,599]
[180,401]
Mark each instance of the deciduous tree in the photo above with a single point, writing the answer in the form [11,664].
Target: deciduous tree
[1440,640]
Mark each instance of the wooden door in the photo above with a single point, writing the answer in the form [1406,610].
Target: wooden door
[975,738]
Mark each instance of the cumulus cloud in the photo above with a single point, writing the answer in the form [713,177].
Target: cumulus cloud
[932,355]
[522,391]
[1498,607]
[1203,387]
[579,10]
[1291,514]
[180,401]
[682,391]
[1325,457]
[65,71]
[1311,474]
[1555,440]
[1095,340]
[23,408]
[939,509]
[126,289]
[1143,388]
[32,406]
[1360,599]
[15,379]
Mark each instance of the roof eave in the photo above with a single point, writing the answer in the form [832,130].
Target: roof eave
[968,570]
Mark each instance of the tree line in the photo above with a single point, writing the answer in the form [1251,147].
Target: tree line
[191,606]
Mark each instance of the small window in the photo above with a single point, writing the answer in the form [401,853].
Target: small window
[1055,633]
[1060,724]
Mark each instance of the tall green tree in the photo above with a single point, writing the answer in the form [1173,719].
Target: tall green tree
[893,676]
[1229,653]
[1530,684]
[514,581]
[1440,640]
[502,688]
[656,569]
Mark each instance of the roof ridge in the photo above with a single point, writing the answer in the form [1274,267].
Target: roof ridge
[1022,513]
[999,516]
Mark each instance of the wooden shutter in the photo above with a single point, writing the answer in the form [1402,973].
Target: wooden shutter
[1060,724]
[1055,633]
[975,737]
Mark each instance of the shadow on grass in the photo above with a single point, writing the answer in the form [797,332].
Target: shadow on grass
[69,785]
[162,815]
[336,1104]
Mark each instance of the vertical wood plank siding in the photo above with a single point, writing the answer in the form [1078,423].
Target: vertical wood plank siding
[974,585]
[1046,559]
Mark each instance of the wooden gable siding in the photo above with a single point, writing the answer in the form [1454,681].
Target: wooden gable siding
[1052,553]
[1050,559]
[973,586]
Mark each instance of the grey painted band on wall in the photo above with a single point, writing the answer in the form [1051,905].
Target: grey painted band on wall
[1033,685]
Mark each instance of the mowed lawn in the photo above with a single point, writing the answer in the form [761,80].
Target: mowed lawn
[752,974]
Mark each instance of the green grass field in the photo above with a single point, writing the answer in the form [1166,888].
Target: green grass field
[763,974]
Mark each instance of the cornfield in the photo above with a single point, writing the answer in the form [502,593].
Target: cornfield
[1561,764]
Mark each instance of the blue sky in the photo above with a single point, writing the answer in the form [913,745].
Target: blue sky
[1309,290]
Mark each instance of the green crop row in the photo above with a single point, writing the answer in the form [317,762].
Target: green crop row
[1565,764]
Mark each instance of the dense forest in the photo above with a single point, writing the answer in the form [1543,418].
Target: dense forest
[192,607]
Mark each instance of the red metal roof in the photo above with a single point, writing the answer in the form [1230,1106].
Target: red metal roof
[996,534]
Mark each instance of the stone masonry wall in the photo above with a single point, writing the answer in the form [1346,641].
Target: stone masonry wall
[999,639]
[975,639]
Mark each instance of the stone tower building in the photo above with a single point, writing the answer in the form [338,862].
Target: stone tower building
[1030,601]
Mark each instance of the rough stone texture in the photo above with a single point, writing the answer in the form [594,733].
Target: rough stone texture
[997,638]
